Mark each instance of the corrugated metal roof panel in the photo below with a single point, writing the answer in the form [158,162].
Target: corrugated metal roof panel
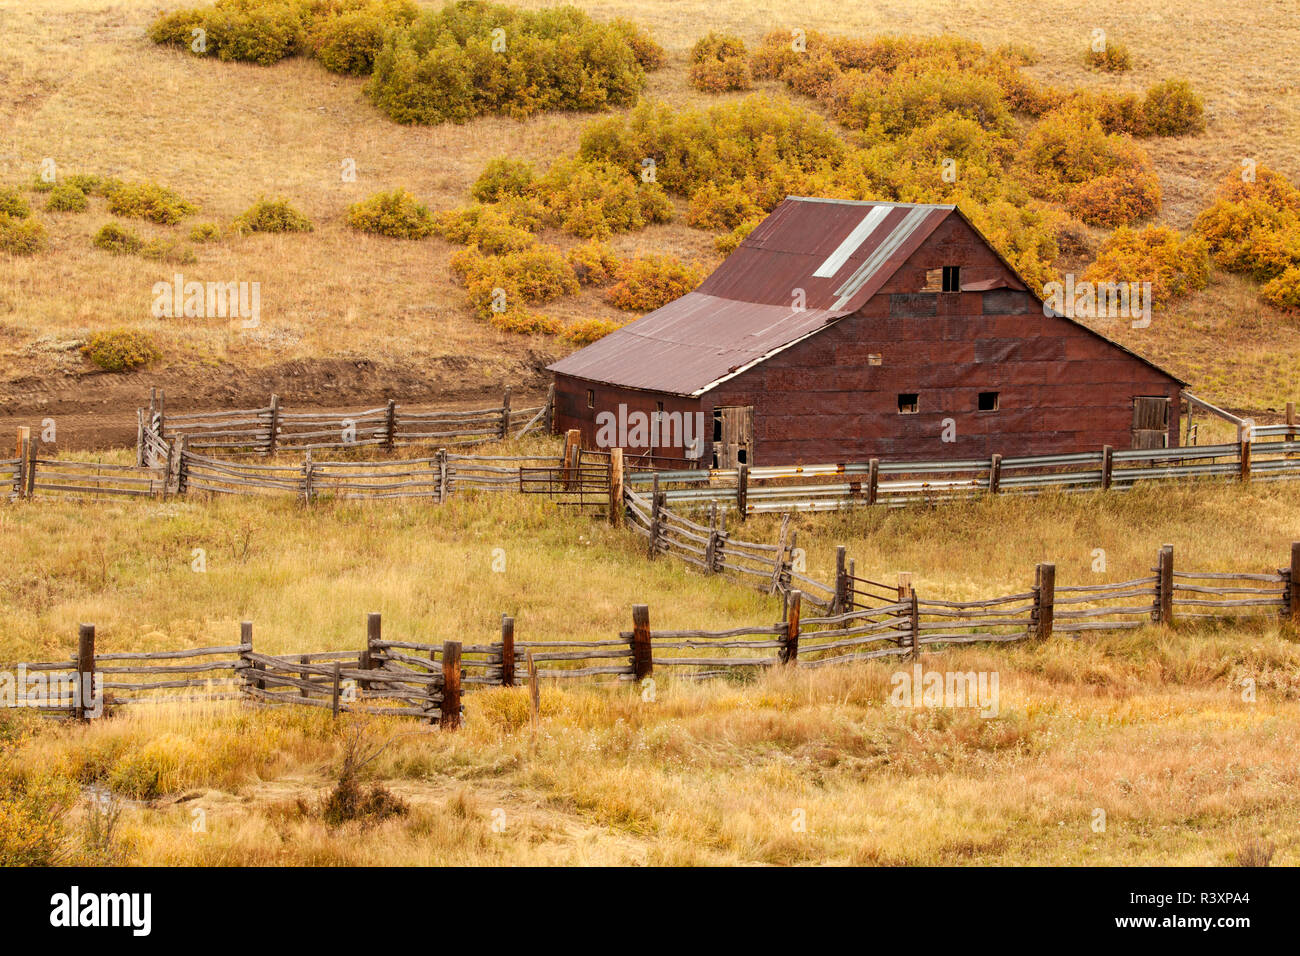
[747,309]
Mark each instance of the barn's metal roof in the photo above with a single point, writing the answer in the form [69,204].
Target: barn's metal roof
[837,252]
[808,264]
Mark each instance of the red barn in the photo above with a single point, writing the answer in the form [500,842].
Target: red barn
[842,331]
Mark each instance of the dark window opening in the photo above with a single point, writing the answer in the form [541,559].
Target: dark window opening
[988,401]
[952,278]
[591,398]
[659,406]
[717,424]
[908,403]
[742,456]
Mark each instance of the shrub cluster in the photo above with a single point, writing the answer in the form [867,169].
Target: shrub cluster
[1173,265]
[149,201]
[586,331]
[467,59]
[719,62]
[205,232]
[1112,57]
[396,214]
[21,236]
[272,215]
[117,239]
[593,263]
[13,204]
[649,282]
[120,350]
[65,197]
[1253,227]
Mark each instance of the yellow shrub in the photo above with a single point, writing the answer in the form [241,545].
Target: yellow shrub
[1174,266]
[149,201]
[21,237]
[396,214]
[272,215]
[121,350]
[649,282]
[593,263]
[1112,57]
[1119,199]
[586,331]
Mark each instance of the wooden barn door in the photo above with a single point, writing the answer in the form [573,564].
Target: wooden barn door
[733,436]
[1150,422]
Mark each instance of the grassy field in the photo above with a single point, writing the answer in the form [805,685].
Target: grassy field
[1150,726]
[83,85]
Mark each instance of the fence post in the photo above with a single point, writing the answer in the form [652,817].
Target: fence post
[450,685]
[182,470]
[442,476]
[995,474]
[1107,466]
[139,438]
[642,653]
[711,549]
[304,675]
[1290,421]
[30,473]
[374,634]
[904,585]
[1044,600]
[571,438]
[915,626]
[550,410]
[873,480]
[390,424]
[505,414]
[24,436]
[534,692]
[273,438]
[656,501]
[841,581]
[790,652]
[335,691]
[1244,438]
[246,639]
[742,489]
[1165,586]
[616,487]
[85,668]
[507,651]
[1293,584]
[306,476]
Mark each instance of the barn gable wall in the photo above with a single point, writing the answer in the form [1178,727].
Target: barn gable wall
[1060,388]
[571,411]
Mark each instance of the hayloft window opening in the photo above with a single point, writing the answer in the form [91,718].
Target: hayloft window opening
[952,278]
[909,403]
[591,398]
[988,401]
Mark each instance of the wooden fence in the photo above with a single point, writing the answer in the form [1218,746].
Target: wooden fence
[266,431]
[92,684]
[390,677]
[755,490]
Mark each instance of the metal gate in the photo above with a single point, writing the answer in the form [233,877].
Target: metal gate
[582,482]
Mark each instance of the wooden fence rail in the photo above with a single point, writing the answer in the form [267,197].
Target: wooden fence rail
[266,431]
[756,490]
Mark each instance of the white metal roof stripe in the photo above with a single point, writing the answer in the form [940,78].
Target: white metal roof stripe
[835,261]
[888,246]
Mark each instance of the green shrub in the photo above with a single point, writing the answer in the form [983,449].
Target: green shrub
[719,63]
[149,201]
[262,33]
[347,40]
[117,239]
[1174,266]
[13,204]
[396,214]
[502,178]
[121,350]
[177,28]
[272,215]
[443,67]
[167,250]
[66,198]
[593,263]
[21,237]
[649,282]
[586,331]
[1173,109]
[205,232]
[1112,57]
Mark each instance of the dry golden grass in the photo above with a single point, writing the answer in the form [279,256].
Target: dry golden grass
[84,85]
[1150,727]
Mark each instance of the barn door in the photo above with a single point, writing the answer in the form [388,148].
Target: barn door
[733,436]
[1150,422]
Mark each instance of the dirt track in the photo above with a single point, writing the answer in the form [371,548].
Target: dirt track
[97,410]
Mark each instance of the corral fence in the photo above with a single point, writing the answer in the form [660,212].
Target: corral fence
[581,478]
[424,680]
[372,681]
[747,490]
[267,431]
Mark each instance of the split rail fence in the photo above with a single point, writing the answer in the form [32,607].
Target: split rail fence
[424,680]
